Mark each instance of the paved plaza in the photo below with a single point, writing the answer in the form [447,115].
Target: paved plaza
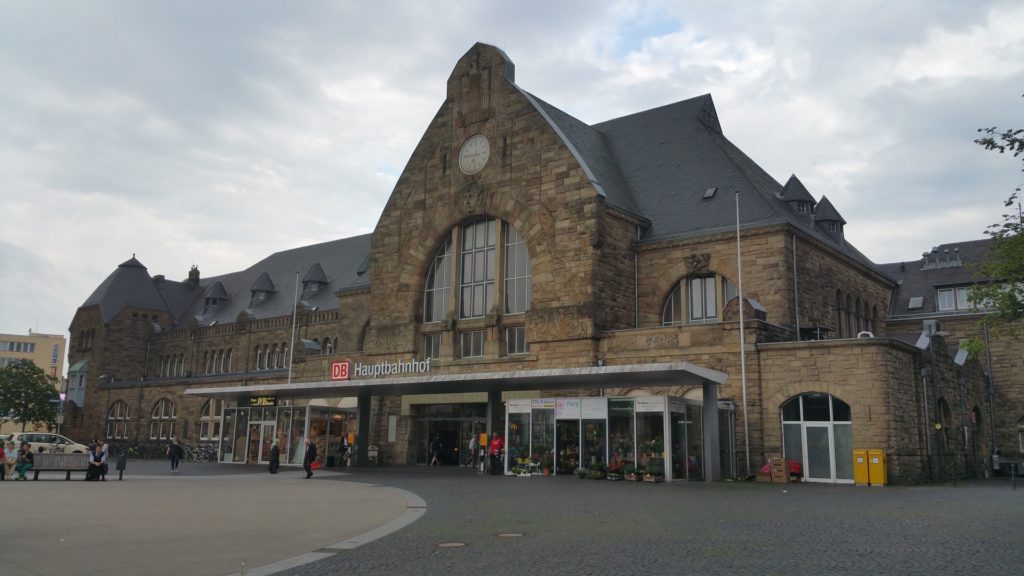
[424,521]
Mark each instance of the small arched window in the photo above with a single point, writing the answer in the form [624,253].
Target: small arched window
[277,357]
[117,420]
[209,420]
[162,421]
[698,300]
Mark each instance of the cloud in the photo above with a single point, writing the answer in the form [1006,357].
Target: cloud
[217,133]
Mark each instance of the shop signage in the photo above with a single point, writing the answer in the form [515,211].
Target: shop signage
[518,406]
[542,404]
[259,401]
[595,408]
[620,407]
[54,356]
[676,404]
[567,408]
[345,369]
[650,403]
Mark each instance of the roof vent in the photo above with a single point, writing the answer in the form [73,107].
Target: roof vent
[710,192]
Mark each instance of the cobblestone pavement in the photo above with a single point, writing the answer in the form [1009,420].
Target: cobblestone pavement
[572,526]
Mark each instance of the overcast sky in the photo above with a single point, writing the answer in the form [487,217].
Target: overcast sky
[217,133]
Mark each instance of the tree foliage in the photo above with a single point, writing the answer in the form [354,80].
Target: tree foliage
[27,394]
[1004,265]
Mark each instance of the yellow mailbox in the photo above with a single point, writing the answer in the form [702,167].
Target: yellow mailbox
[860,468]
[876,467]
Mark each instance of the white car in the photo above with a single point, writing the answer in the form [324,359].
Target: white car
[48,441]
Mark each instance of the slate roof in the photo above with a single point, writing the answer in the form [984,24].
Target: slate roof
[825,211]
[795,191]
[339,262]
[947,265]
[128,285]
[657,165]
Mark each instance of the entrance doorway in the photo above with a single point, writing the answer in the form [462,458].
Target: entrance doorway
[261,438]
[453,424]
[567,446]
[817,432]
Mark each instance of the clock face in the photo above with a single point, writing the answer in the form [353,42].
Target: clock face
[474,154]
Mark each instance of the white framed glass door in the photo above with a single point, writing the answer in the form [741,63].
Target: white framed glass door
[818,450]
[267,431]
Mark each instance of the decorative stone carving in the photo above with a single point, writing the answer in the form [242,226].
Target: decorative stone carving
[697,264]
[472,199]
[564,323]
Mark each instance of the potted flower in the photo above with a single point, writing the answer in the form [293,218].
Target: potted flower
[654,474]
[545,464]
[615,471]
[630,472]
[581,473]
[596,471]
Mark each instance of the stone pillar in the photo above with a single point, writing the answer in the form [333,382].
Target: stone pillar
[363,436]
[712,462]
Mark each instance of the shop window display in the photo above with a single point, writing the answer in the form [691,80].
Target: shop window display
[543,435]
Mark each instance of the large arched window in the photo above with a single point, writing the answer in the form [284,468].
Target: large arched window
[117,420]
[209,420]
[259,357]
[817,431]
[476,263]
[697,300]
[161,424]
[438,287]
[517,273]
[1020,433]
[482,287]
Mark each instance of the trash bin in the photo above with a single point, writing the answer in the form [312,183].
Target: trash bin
[122,463]
[860,468]
[876,467]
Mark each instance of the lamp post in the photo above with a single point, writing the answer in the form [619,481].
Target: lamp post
[291,347]
[743,341]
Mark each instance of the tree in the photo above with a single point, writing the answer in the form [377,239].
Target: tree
[1004,266]
[27,394]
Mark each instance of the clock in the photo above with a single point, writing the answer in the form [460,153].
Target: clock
[474,154]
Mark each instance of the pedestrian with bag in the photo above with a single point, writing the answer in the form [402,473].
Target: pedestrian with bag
[175,452]
[309,458]
[275,458]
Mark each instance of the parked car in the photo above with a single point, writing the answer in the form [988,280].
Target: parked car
[49,442]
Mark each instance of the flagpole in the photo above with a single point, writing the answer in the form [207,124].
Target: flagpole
[291,350]
[743,341]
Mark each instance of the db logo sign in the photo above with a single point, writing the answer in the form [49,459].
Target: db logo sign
[340,370]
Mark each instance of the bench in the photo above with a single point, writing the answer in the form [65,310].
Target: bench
[50,462]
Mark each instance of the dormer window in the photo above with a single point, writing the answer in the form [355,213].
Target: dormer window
[261,290]
[833,226]
[801,207]
[315,280]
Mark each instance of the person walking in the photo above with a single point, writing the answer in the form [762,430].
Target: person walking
[309,458]
[474,445]
[435,450]
[175,452]
[275,458]
[495,451]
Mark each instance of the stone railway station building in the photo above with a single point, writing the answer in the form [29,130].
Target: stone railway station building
[577,288]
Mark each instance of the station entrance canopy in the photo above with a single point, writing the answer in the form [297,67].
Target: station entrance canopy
[618,376]
[494,383]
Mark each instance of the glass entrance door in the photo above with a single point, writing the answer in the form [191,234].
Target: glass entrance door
[818,453]
[567,444]
[267,440]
